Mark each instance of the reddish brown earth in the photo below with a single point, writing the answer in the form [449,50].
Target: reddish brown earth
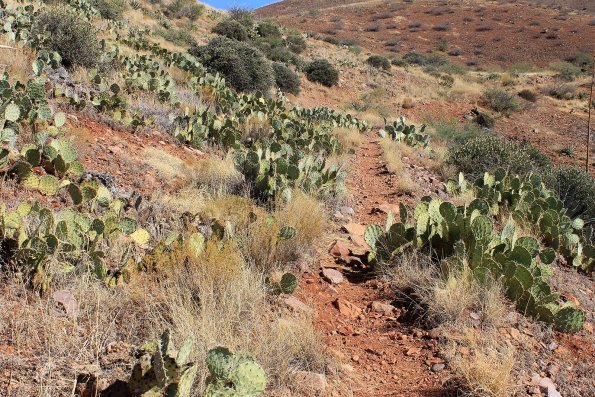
[488,33]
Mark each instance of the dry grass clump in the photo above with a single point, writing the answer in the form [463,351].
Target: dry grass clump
[393,153]
[17,62]
[218,175]
[488,369]
[350,138]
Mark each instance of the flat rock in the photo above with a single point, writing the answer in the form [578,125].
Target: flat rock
[347,211]
[386,208]
[340,249]
[332,276]
[347,308]
[355,229]
[437,367]
[297,305]
[310,381]
[383,308]
[68,301]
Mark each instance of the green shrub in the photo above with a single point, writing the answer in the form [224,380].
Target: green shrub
[321,71]
[452,132]
[583,60]
[489,152]
[528,95]
[296,42]
[179,37]
[242,15]
[575,188]
[73,37]
[566,70]
[379,62]
[284,55]
[268,28]
[231,29]
[111,9]
[501,101]
[184,8]
[286,79]
[243,66]
[561,91]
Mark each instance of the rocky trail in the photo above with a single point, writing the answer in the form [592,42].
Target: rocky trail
[356,311]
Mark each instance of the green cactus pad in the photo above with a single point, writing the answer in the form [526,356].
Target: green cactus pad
[288,283]
[12,112]
[530,244]
[569,319]
[248,377]
[372,234]
[49,185]
[219,361]
[286,233]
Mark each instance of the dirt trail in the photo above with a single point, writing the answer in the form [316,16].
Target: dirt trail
[388,357]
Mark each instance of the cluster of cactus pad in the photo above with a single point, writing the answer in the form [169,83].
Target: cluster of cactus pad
[468,231]
[163,370]
[400,131]
[232,375]
[286,285]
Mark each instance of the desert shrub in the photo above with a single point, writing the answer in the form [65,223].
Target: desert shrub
[455,52]
[323,72]
[379,62]
[442,46]
[242,15]
[295,42]
[284,55]
[414,25]
[484,27]
[575,188]
[521,67]
[111,9]
[501,101]
[489,152]
[231,29]
[73,37]
[268,28]
[286,79]
[443,27]
[583,60]
[400,62]
[374,27]
[243,66]
[453,133]
[566,71]
[414,58]
[484,119]
[561,91]
[180,37]
[184,8]
[528,95]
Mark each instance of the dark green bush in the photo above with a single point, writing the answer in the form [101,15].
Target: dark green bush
[111,9]
[528,95]
[583,60]
[379,62]
[243,66]
[284,55]
[232,29]
[453,133]
[501,101]
[184,9]
[561,91]
[268,28]
[321,71]
[295,42]
[566,71]
[575,188]
[286,79]
[73,37]
[489,152]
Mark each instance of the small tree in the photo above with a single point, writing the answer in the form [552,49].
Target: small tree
[321,71]
[242,15]
[232,29]
[268,29]
[295,42]
[67,33]
[243,66]
[379,62]
[286,79]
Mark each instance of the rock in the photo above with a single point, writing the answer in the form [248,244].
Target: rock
[552,392]
[310,381]
[546,385]
[332,290]
[298,306]
[347,211]
[413,351]
[435,333]
[68,302]
[340,249]
[552,345]
[332,276]
[347,308]
[437,367]
[385,208]
[383,308]
[355,229]
[553,370]
[338,216]
[355,358]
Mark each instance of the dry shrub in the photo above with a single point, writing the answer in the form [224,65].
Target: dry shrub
[17,62]
[218,175]
[188,199]
[488,370]
[393,152]
[350,138]
[255,128]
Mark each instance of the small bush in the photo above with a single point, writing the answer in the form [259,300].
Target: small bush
[443,27]
[562,91]
[484,27]
[379,62]
[442,46]
[415,25]
[450,131]
[501,101]
[286,79]
[575,188]
[295,42]
[180,37]
[528,95]
[375,27]
[489,152]
[321,71]
[583,60]
[283,55]
[484,119]
[268,29]
[455,52]
[242,15]
[184,9]
[243,66]
[566,71]
[111,9]
[73,37]
[231,29]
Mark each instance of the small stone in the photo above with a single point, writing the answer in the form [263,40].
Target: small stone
[297,305]
[332,276]
[347,211]
[552,392]
[68,301]
[338,216]
[553,370]
[437,367]
[552,346]
[310,381]
[383,308]
[332,290]
[355,358]
[434,333]
[340,249]
[347,308]
[414,351]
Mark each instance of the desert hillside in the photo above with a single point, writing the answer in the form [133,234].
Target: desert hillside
[316,198]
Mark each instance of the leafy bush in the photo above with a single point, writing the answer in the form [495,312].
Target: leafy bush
[575,188]
[184,8]
[180,37]
[268,28]
[501,101]
[450,131]
[284,55]
[242,15]
[379,62]
[73,37]
[528,95]
[487,153]
[286,79]
[583,60]
[231,29]
[566,70]
[321,71]
[561,91]
[111,9]
[295,42]
[243,66]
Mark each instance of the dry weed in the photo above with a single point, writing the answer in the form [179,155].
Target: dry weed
[393,157]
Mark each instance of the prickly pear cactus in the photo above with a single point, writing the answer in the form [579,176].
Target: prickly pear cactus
[288,283]
[234,375]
